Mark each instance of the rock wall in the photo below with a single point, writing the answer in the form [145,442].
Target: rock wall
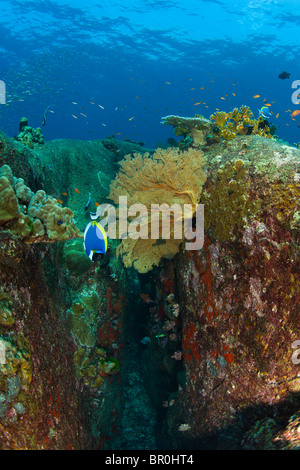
[61,315]
[239,299]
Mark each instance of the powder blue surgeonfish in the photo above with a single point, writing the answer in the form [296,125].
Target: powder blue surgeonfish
[95,240]
[264,112]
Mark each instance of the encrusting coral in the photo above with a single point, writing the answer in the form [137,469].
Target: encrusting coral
[227,202]
[168,177]
[34,217]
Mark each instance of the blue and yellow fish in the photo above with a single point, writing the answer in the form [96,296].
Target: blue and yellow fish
[94,240]
[265,112]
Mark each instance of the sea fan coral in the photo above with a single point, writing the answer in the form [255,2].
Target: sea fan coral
[168,177]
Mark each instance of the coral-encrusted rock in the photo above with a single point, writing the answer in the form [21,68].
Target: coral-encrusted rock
[40,398]
[239,294]
[8,201]
[56,220]
[36,217]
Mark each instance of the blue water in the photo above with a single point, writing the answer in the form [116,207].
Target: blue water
[115,67]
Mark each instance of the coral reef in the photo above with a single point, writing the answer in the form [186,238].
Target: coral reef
[168,177]
[75,257]
[238,302]
[227,200]
[2,146]
[240,121]
[60,319]
[37,409]
[194,130]
[200,132]
[194,354]
[28,135]
[35,217]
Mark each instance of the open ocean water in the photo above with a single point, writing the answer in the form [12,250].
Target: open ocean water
[110,68]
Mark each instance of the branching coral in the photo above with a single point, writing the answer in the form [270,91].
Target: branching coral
[168,177]
[240,121]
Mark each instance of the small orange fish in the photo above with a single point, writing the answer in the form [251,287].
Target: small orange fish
[234,94]
[222,98]
[195,104]
[268,104]
[60,201]
[295,113]
[97,204]
[277,115]
[64,194]
[146,298]
[256,96]
[202,88]
[77,190]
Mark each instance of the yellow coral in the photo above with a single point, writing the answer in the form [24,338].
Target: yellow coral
[227,134]
[168,177]
[240,121]
[227,202]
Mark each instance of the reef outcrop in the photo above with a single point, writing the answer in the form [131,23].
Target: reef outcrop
[60,314]
[239,302]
